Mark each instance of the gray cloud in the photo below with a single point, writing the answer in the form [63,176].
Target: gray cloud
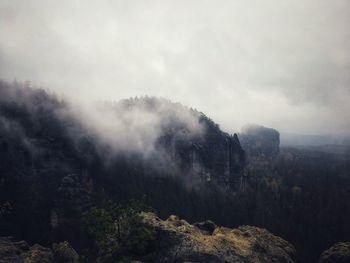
[283,64]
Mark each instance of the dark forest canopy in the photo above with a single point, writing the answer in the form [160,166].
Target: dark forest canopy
[59,161]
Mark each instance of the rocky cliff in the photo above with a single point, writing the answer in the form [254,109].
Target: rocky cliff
[179,241]
[259,141]
[154,134]
[190,142]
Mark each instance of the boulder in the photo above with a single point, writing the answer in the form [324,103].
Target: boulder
[37,254]
[19,252]
[12,251]
[338,253]
[64,253]
[207,226]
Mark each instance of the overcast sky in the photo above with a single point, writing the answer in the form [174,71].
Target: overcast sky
[283,64]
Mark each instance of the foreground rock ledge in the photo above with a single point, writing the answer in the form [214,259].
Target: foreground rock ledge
[338,253]
[12,251]
[179,241]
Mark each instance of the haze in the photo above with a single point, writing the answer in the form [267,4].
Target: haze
[282,64]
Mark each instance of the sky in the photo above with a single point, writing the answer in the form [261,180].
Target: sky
[282,64]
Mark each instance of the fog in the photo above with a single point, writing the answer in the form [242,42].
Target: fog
[282,64]
[145,128]
[136,125]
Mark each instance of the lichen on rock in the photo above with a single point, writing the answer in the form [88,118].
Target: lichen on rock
[179,241]
[12,251]
[338,253]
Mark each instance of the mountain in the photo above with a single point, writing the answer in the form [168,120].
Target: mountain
[155,132]
[60,159]
[259,141]
[86,171]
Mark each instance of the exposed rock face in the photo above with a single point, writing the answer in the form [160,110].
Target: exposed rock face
[64,253]
[221,155]
[213,156]
[11,251]
[179,241]
[20,252]
[259,141]
[338,253]
[210,154]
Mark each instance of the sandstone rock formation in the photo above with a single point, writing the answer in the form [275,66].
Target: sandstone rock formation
[179,241]
[259,141]
[12,251]
[338,253]
[64,253]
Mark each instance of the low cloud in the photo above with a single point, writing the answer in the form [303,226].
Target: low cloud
[136,125]
[283,64]
[146,128]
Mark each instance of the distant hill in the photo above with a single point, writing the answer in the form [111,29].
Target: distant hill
[259,141]
[292,139]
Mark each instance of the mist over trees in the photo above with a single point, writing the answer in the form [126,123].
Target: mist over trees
[62,163]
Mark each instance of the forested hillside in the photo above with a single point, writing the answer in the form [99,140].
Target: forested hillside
[56,164]
[65,165]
